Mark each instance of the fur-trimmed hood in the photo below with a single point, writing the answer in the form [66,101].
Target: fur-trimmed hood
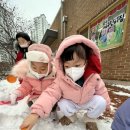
[21,70]
[94,61]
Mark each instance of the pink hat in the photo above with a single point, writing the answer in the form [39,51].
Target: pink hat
[39,53]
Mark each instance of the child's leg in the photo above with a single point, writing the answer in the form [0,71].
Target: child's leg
[31,102]
[66,110]
[67,107]
[95,106]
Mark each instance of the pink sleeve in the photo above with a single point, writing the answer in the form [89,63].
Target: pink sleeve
[102,91]
[46,101]
[25,88]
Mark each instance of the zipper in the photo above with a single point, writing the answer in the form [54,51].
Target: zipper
[81,91]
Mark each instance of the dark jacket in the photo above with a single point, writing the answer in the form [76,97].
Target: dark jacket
[122,117]
[21,52]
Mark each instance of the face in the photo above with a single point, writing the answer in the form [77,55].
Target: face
[22,41]
[39,67]
[76,62]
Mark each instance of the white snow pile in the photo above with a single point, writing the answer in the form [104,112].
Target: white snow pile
[121,86]
[6,88]
[11,116]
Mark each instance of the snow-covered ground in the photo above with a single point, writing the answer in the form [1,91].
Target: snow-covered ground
[11,116]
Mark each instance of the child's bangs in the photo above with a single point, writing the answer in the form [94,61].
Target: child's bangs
[80,52]
[79,49]
[67,55]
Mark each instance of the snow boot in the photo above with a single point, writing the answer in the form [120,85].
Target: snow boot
[68,120]
[90,123]
[91,126]
[65,120]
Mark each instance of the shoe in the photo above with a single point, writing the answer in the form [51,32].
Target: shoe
[91,126]
[65,120]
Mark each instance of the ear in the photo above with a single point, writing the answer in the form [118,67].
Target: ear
[29,42]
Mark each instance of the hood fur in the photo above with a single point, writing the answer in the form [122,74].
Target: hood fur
[20,70]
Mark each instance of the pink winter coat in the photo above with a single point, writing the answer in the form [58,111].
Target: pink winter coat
[30,84]
[64,87]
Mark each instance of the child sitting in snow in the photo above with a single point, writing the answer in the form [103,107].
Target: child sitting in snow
[78,86]
[36,72]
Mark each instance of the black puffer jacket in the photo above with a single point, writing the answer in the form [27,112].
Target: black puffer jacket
[21,52]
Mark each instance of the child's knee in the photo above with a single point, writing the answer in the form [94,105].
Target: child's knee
[66,107]
[97,108]
[101,102]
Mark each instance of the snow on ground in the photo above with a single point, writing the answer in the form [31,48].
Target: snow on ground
[121,86]
[122,94]
[11,116]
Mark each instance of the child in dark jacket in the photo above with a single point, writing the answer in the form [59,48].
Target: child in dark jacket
[122,117]
[21,46]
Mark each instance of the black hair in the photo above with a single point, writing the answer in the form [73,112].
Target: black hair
[23,35]
[81,50]
[27,38]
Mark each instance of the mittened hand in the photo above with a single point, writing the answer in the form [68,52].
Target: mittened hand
[13,98]
[24,129]
[29,122]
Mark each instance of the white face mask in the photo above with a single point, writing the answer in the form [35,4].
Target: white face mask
[24,45]
[37,75]
[75,73]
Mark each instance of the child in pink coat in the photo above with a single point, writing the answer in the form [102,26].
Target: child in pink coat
[36,72]
[77,88]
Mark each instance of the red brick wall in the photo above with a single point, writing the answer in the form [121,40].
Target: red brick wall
[56,25]
[115,62]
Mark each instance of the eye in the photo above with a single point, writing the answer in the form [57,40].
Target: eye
[43,69]
[66,66]
[34,67]
[77,65]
